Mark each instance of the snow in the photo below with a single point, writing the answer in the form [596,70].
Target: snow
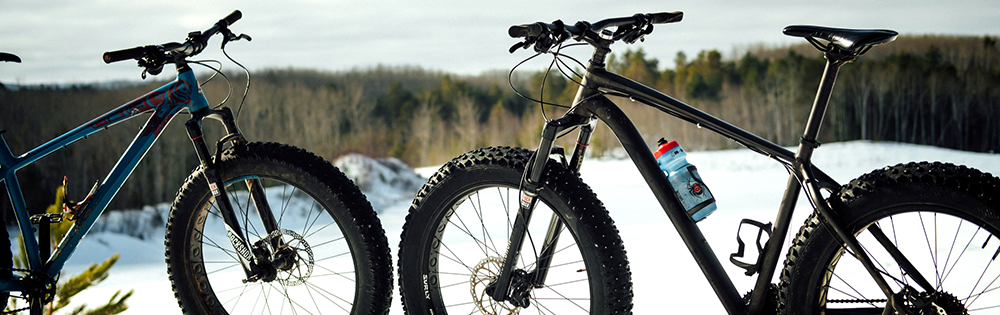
[746,185]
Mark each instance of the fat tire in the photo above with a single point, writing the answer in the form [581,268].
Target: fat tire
[936,188]
[584,215]
[308,173]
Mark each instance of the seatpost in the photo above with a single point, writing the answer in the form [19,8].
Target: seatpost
[820,104]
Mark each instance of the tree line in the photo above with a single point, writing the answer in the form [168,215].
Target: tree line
[935,90]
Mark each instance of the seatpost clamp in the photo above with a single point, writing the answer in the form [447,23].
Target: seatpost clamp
[811,143]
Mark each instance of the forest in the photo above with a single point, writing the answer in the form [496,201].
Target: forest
[934,90]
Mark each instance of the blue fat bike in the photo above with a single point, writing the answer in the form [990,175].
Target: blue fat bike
[257,228]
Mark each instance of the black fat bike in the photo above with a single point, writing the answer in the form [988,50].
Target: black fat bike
[502,230]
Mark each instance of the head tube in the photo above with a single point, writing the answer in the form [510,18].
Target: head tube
[196,97]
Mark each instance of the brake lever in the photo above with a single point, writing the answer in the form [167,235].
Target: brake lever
[152,70]
[229,36]
[522,45]
[152,61]
[634,33]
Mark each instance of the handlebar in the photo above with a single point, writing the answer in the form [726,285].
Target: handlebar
[156,55]
[630,29]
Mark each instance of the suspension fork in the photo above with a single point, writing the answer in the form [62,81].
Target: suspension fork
[532,183]
[240,241]
[555,223]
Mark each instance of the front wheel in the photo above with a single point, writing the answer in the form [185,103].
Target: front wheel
[455,240]
[329,253]
[944,219]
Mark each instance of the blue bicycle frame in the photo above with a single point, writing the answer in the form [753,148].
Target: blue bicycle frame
[164,103]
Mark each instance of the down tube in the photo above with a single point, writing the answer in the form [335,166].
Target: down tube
[695,241]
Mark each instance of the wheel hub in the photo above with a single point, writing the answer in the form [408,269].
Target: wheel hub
[292,259]
[484,273]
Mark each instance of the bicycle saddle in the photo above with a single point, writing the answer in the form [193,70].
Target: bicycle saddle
[845,39]
[9,57]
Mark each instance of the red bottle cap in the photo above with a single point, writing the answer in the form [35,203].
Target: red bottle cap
[664,147]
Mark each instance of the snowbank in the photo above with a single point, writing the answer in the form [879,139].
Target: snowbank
[385,181]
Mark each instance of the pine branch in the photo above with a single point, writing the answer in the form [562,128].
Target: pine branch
[90,277]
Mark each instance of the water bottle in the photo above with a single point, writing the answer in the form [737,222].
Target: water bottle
[684,180]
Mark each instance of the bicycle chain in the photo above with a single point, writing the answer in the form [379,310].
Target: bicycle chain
[866,301]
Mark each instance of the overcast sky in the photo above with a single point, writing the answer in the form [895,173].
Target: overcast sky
[61,41]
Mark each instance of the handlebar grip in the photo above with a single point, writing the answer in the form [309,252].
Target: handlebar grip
[525,30]
[233,17]
[9,57]
[666,17]
[124,54]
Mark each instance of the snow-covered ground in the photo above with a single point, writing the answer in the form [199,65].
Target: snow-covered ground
[746,185]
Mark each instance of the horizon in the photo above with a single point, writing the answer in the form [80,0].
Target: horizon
[61,43]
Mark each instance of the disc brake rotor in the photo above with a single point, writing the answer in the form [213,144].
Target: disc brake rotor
[485,272]
[293,247]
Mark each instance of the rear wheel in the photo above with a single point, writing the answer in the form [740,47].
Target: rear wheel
[944,219]
[455,240]
[329,253]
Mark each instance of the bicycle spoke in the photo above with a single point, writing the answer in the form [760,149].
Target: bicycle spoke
[328,242]
[333,256]
[284,202]
[951,249]
[895,242]
[308,225]
[485,248]
[985,290]
[571,300]
[960,255]
[339,274]
[236,299]
[486,234]
[978,280]
[322,228]
[468,231]
[455,258]
[932,252]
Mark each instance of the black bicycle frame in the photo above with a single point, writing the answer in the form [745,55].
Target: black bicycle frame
[591,104]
